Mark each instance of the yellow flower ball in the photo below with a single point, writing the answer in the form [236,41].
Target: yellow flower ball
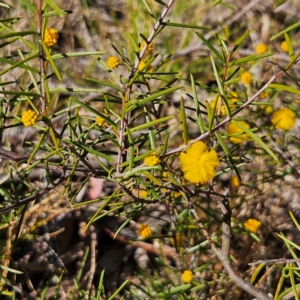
[240,137]
[261,48]
[284,46]
[50,37]
[268,109]
[187,276]
[199,163]
[252,225]
[246,78]
[100,121]
[235,181]
[149,48]
[142,65]
[29,118]
[144,231]
[152,160]
[113,62]
[215,104]
[284,119]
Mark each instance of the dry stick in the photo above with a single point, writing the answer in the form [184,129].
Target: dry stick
[224,258]
[93,237]
[33,197]
[235,277]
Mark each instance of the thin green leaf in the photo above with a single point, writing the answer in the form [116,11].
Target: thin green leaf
[82,104]
[281,87]
[149,11]
[139,170]
[294,26]
[75,54]
[20,64]
[212,48]
[24,94]
[294,220]
[174,291]
[278,3]
[19,33]
[76,90]
[289,44]
[240,41]
[224,4]
[256,139]
[249,58]
[217,76]
[227,152]
[150,124]
[131,148]
[37,147]
[133,43]
[181,25]
[45,48]
[95,152]
[256,272]
[54,13]
[197,106]
[5,5]
[10,270]
[115,87]
[134,103]
[116,293]
[55,7]
[150,133]
[152,178]
[183,124]
[100,285]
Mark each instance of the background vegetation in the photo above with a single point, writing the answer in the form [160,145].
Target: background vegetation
[96,202]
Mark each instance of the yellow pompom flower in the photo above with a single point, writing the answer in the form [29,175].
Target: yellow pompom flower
[284,46]
[199,163]
[144,231]
[252,225]
[140,193]
[261,48]
[113,62]
[234,181]
[100,121]
[29,118]
[268,109]
[51,37]
[152,160]
[283,118]
[187,276]
[215,104]
[149,48]
[246,78]
[240,137]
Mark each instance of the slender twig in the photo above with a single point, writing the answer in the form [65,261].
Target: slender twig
[127,88]
[34,196]
[151,37]
[236,278]
[41,52]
